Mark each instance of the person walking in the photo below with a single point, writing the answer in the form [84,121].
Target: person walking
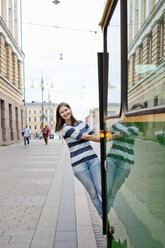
[85,163]
[26,134]
[45,131]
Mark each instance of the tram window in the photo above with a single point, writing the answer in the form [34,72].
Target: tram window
[146,74]
[114,77]
[145,104]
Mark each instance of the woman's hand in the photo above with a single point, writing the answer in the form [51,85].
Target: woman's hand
[94,137]
[117,135]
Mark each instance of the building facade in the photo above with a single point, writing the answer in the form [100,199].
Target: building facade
[93,119]
[34,116]
[146,52]
[11,59]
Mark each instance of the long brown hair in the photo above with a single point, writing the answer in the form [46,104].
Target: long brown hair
[59,120]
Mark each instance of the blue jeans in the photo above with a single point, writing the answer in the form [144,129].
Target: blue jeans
[118,171]
[89,174]
[26,139]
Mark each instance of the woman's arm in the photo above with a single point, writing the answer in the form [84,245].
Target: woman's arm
[94,137]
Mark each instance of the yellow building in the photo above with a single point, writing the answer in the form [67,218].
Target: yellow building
[11,57]
[34,116]
[146,52]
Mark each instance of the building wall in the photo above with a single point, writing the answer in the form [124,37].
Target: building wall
[146,53]
[93,119]
[11,57]
[34,116]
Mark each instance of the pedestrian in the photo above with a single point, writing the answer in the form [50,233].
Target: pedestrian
[45,131]
[85,163]
[26,134]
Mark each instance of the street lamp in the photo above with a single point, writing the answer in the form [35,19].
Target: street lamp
[42,86]
[42,90]
[56,1]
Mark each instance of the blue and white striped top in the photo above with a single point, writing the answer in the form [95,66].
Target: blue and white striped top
[123,148]
[80,150]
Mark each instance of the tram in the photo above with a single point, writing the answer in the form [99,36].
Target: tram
[131,73]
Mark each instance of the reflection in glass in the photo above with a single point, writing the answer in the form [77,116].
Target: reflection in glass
[119,158]
[113,48]
[146,55]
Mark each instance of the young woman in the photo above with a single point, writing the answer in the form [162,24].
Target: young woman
[84,161]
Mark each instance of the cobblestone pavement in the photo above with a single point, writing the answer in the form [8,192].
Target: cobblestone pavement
[25,184]
[35,194]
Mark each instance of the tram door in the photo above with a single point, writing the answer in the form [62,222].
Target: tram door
[133,168]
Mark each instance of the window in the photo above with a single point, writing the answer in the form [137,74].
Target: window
[162,39]
[150,51]
[113,49]
[144,11]
[145,104]
[136,24]
[35,119]
[147,67]
[10,15]
[34,111]
[156,101]
[35,127]
[153,3]
[29,112]
[29,119]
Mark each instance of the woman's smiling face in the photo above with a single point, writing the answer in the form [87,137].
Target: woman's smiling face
[65,113]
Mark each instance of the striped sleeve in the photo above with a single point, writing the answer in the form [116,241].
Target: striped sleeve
[72,132]
[89,130]
[119,127]
[133,130]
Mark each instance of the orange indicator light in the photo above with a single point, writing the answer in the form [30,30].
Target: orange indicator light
[108,134]
[102,134]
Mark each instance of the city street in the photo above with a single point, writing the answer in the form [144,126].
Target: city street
[41,203]
[27,175]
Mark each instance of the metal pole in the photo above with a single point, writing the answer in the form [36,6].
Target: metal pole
[49,106]
[42,90]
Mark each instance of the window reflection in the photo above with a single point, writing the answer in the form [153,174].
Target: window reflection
[120,158]
[113,48]
[146,55]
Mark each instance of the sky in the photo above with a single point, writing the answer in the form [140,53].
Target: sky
[69,30]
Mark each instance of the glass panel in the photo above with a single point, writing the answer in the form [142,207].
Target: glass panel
[113,49]
[136,185]
[146,55]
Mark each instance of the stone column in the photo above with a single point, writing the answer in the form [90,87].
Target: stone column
[2,55]
[5,123]
[19,75]
[9,71]
[14,123]
[146,50]
[5,12]
[141,12]
[15,70]
[132,71]
[138,61]
[156,35]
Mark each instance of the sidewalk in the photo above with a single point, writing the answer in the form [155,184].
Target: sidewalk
[41,203]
